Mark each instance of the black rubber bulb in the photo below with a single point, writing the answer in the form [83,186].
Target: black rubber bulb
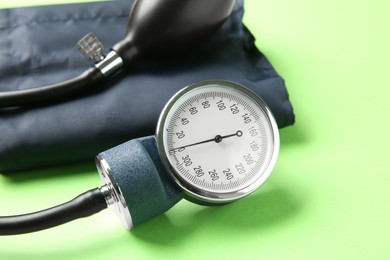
[169,27]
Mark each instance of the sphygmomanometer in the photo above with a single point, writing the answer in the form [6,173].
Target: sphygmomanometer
[216,141]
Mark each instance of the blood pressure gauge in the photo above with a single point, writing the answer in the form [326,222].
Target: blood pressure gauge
[218,141]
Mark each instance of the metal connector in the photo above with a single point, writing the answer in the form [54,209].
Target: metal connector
[110,64]
[113,194]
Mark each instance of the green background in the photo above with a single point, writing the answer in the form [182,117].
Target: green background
[328,197]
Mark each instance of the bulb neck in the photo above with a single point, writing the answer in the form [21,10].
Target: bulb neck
[127,51]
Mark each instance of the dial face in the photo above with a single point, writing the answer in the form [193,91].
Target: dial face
[218,140]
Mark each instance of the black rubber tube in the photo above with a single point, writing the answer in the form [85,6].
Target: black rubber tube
[52,92]
[84,205]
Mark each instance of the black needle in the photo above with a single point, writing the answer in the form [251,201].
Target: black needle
[217,139]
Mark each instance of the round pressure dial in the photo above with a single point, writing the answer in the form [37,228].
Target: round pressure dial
[218,140]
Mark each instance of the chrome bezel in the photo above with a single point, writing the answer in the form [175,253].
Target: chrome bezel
[204,196]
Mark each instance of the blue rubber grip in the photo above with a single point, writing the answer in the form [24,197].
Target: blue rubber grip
[146,186]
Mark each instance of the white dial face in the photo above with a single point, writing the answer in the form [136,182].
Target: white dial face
[220,143]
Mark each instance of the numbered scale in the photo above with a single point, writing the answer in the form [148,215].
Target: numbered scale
[218,140]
